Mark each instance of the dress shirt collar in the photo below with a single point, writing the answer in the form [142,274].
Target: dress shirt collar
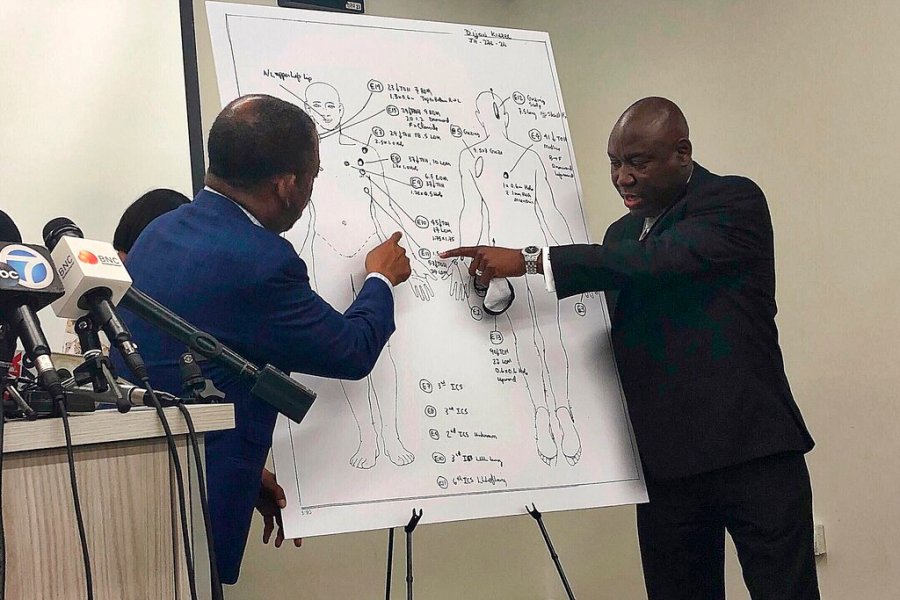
[253,219]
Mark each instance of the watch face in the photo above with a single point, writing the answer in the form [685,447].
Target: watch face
[531,250]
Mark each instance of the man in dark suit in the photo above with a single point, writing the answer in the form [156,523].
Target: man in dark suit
[220,263]
[690,280]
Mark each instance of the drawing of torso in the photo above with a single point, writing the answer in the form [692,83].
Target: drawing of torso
[508,201]
[347,233]
[505,175]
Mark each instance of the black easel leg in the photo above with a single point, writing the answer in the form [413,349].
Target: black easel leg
[533,511]
[390,564]
[410,527]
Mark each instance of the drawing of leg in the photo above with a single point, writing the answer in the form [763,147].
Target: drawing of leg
[555,377]
[357,394]
[571,441]
[543,432]
[384,401]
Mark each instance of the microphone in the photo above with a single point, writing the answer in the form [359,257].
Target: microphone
[8,230]
[289,397]
[95,280]
[28,283]
[135,396]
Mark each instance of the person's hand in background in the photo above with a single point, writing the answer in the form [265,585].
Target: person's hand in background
[269,504]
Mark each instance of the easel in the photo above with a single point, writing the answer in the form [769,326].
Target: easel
[410,527]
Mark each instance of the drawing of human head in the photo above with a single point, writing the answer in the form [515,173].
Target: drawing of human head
[324,105]
[491,113]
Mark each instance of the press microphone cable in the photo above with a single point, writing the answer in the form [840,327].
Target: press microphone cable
[179,481]
[73,480]
[216,585]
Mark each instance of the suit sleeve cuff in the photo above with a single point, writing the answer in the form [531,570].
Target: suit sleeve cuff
[549,282]
[382,278]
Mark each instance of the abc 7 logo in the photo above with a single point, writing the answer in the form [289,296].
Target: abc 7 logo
[9,277]
[33,270]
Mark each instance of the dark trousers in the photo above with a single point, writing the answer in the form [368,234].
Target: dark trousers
[766,506]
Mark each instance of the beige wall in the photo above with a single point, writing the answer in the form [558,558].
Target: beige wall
[803,97]
[92,113]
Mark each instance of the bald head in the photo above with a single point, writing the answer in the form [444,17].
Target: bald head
[264,155]
[650,155]
[655,116]
[257,137]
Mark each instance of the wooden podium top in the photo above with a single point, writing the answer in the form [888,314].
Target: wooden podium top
[105,426]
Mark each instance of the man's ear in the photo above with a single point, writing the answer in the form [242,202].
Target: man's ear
[284,185]
[684,150]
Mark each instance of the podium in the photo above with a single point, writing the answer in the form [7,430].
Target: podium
[128,499]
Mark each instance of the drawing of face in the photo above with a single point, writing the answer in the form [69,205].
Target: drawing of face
[324,105]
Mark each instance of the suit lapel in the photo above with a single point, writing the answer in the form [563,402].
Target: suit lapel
[631,228]
[674,212]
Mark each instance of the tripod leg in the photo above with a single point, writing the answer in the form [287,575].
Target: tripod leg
[390,564]
[533,511]
[410,527]
[409,566]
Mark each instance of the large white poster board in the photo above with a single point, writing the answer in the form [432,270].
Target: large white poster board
[455,135]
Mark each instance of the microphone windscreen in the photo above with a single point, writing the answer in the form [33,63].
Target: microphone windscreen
[8,230]
[56,228]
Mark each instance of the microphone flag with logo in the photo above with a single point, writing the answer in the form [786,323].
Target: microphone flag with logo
[28,283]
[94,280]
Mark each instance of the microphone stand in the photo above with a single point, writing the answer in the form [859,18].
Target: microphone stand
[96,368]
[270,385]
[203,391]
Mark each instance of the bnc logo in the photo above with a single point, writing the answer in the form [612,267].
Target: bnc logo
[88,257]
[35,271]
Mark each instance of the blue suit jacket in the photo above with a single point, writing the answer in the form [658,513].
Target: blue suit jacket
[207,262]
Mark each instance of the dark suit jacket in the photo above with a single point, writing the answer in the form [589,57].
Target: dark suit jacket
[693,328]
[245,285]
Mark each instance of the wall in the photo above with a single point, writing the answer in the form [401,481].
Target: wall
[93,113]
[802,97]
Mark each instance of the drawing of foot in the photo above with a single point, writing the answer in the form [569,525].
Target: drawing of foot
[543,435]
[395,451]
[367,453]
[570,442]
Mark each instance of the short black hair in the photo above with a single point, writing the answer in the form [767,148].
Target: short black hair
[257,137]
[141,212]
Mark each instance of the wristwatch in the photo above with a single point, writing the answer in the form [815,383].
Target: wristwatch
[532,255]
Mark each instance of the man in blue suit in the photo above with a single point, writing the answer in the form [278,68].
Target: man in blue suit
[220,263]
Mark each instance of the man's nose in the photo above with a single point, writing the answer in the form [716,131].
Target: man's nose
[623,177]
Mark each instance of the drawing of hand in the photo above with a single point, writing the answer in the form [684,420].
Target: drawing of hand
[459,282]
[421,286]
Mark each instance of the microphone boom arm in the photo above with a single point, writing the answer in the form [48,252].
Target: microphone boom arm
[272,386]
